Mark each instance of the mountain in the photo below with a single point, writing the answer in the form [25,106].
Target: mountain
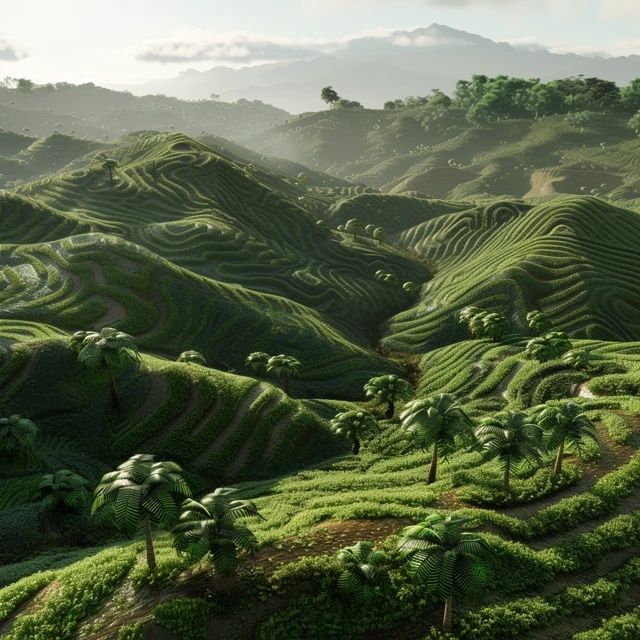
[375,69]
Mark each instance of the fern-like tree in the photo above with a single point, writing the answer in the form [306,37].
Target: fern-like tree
[18,437]
[364,575]
[438,423]
[411,288]
[209,527]
[379,234]
[538,321]
[472,317]
[192,357]
[579,359]
[389,389]
[142,493]
[445,560]
[385,276]
[285,367]
[63,490]
[110,166]
[550,346]
[494,325]
[257,361]
[354,227]
[108,349]
[355,425]
[513,438]
[565,426]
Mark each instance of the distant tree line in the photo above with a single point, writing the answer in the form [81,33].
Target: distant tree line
[483,99]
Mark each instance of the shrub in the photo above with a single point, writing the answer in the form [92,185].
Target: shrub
[186,617]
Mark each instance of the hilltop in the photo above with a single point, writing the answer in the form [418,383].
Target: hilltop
[399,151]
[89,110]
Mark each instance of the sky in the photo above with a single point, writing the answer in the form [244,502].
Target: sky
[118,42]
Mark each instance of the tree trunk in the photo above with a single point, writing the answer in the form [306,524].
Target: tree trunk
[507,474]
[356,446]
[285,383]
[111,175]
[557,468]
[151,556]
[433,469]
[115,400]
[447,618]
[391,409]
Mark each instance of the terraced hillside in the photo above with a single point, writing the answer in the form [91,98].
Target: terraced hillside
[23,158]
[201,244]
[397,152]
[574,258]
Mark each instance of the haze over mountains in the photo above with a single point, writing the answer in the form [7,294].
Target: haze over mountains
[378,68]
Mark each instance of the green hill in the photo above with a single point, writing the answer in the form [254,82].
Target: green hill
[396,151]
[201,244]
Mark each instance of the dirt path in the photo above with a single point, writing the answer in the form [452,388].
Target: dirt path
[30,606]
[583,391]
[502,388]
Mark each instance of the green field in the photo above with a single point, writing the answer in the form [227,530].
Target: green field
[190,242]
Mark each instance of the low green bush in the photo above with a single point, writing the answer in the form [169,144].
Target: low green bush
[14,595]
[186,617]
[83,586]
[133,631]
[541,484]
[617,427]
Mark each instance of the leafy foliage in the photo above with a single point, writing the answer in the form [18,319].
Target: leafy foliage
[208,527]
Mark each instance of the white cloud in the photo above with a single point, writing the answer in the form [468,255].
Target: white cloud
[10,51]
[239,47]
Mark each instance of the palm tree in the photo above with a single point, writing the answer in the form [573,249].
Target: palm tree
[446,560]
[257,361]
[564,426]
[538,322]
[364,572]
[511,437]
[385,276]
[194,357]
[389,388]
[550,346]
[379,234]
[107,349]
[411,288]
[438,422]
[109,165]
[354,227]
[494,325]
[63,489]
[472,317]
[18,437]
[142,492]
[355,425]
[209,527]
[578,359]
[284,367]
